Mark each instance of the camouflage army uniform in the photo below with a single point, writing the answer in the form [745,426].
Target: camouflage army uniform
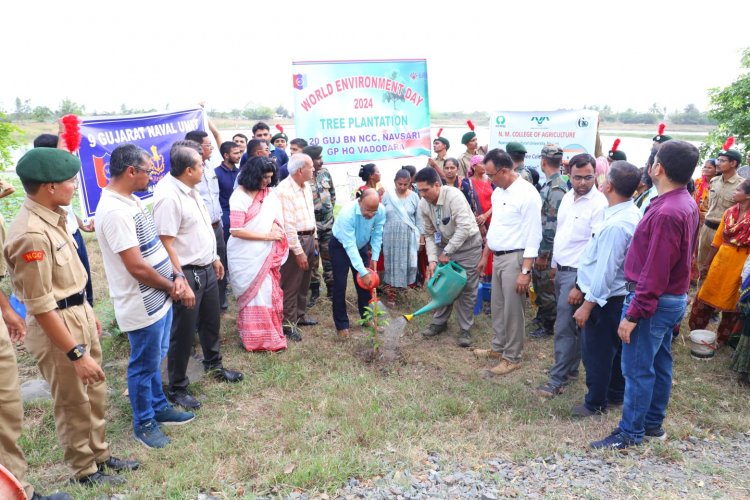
[552,194]
[324,199]
[525,175]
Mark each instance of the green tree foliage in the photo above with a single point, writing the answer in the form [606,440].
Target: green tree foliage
[8,140]
[41,114]
[68,107]
[730,107]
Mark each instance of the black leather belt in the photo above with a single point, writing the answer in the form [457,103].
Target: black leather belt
[191,267]
[630,286]
[306,233]
[74,300]
[711,224]
[567,268]
[503,252]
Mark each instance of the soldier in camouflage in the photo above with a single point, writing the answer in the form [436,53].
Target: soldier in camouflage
[324,199]
[517,152]
[552,194]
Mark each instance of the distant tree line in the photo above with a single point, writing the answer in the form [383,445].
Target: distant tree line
[24,111]
[690,115]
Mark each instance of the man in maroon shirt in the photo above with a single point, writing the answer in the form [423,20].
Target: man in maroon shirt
[657,272]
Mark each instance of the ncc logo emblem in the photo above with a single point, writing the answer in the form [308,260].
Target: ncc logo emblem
[583,122]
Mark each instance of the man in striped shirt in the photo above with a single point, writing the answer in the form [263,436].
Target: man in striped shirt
[142,286]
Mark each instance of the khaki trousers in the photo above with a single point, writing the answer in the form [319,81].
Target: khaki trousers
[11,412]
[508,324]
[79,408]
[295,282]
[467,257]
[705,237]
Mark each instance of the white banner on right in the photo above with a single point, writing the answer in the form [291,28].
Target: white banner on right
[574,131]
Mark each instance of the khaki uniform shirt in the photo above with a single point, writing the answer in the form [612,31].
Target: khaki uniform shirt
[452,217]
[42,258]
[464,163]
[721,196]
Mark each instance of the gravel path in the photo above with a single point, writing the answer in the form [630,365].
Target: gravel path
[716,467]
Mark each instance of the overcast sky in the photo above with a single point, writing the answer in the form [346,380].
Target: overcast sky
[526,55]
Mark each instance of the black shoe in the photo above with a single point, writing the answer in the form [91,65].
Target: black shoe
[55,496]
[118,465]
[464,338]
[184,399]
[314,295]
[224,375]
[293,334]
[329,290]
[99,478]
[541,333]
[307,322]
[434,330]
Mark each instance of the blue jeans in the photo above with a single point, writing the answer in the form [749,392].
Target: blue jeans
[148,346]
[647,367]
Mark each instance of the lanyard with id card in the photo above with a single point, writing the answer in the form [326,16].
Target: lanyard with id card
[439,215]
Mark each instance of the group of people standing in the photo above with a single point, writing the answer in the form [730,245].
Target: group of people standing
[611,279]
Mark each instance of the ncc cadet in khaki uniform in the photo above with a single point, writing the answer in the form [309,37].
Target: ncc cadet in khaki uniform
[62,332]
[552,194]
[469,139]
[13,329]
[720,198]
[324,200]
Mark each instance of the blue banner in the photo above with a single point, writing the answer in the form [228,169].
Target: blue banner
[363,110]
[154,132]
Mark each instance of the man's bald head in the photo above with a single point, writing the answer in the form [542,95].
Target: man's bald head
[368,203]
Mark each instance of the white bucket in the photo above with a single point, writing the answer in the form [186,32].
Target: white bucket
[702,344]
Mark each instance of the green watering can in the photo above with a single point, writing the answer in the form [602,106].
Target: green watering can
[445,285]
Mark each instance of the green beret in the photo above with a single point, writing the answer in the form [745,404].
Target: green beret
[617,156]
[467,137]
[446,142]
[515,147]
[662,138]
[313,152]
[280,135]
[732,154]
[47,165]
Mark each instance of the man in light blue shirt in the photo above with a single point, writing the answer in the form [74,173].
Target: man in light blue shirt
[357,229]
[601,291]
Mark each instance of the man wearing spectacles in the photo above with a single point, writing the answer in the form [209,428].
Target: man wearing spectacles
[513,236]
[580,212]
[211,194]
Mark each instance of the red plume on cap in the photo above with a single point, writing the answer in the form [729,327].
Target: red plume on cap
[662,126]
[439,132]
[279,128]
[72,132]
[615,145]
[470,124]
[728,143]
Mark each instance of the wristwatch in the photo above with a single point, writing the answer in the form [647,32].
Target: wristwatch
[177,275]
[525,271]
[77,352]
[628,317]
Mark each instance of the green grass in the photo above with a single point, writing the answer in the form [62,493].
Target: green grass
[315,415]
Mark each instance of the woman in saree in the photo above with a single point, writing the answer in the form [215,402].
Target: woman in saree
[256,249]
[741,357]
[729,250]
[401,233]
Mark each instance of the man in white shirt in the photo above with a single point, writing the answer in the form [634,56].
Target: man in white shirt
[184,227]
[513,236]
[142,286]
[208,187]
[580,213]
